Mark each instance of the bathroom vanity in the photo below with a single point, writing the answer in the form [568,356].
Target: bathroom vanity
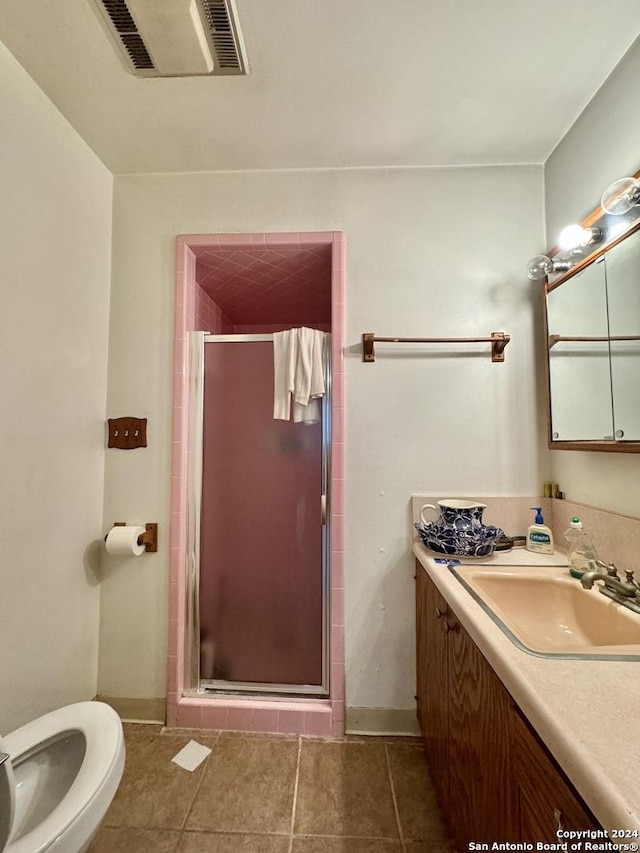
[520,747]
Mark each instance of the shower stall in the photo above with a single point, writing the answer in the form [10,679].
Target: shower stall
[257,542]
[258,534]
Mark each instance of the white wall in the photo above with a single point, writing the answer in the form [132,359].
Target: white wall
[55,222]
[600,147]
[429,252]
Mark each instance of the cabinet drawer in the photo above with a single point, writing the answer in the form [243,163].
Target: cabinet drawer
[547,801]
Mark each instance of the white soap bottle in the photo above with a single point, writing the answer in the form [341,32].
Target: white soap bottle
[582,554]
[539,536]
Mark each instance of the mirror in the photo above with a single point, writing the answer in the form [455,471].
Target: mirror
[623,305]
[579,374]
[593,326]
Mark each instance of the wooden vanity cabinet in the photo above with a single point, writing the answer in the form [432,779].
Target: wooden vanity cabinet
[465,714]
[432,681]
[546,799]
[494,778]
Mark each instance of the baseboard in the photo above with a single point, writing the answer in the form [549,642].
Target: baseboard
[382,721]
[138,710]
[363,721]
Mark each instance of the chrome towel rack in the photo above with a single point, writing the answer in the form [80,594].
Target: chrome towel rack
[498,341]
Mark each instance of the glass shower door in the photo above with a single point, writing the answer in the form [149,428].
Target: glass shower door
[261,580]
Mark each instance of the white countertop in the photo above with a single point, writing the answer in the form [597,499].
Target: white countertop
[586,711]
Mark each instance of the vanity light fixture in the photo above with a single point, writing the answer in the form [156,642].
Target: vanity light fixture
[541,266]
[617,230]
[620,196]
[577,237]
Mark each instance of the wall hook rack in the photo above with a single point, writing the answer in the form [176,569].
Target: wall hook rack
[498,341]
[127,433]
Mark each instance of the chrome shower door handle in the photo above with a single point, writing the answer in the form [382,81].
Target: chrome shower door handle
[323,509]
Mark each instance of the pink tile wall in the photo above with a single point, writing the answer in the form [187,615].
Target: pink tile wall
[288,283]
[324,717]
[338,491]
[209,317]
[269,328]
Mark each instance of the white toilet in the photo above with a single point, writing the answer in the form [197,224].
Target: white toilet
[62,772]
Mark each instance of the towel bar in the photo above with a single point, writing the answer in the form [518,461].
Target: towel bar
[498,341]
[554,339]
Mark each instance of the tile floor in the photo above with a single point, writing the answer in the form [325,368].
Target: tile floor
[272,794]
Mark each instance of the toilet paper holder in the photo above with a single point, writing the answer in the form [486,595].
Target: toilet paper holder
[148,539]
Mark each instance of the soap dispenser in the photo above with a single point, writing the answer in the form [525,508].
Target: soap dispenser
[539,536]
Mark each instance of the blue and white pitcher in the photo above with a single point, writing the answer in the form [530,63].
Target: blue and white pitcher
[458,530]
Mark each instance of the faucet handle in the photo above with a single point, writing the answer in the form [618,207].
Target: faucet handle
[629,576]
[612,571]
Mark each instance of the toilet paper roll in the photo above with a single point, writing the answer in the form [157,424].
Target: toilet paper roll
[123,541]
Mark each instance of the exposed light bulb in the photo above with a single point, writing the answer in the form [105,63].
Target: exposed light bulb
[620,196]
[575,236]
[541,266]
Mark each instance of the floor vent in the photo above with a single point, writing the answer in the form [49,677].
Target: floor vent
[176,38]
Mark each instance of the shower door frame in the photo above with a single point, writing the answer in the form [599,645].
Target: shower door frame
[310,716]
[196,684]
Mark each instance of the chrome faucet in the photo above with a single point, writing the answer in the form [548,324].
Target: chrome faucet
[626,592]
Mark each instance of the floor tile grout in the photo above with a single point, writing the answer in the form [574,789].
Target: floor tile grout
[393,796]
[348,837]
[295,796]
[399,765]
[227,831]
[195,793]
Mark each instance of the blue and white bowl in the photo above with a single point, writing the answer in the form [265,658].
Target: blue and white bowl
[460,543]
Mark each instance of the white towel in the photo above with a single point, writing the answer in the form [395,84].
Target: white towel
[297,371]
[309,414]
[285,352]
[309,379]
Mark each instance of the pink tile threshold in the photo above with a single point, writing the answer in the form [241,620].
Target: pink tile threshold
[247,715]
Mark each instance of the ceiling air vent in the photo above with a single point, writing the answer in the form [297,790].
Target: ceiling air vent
[176,38]
[222,24]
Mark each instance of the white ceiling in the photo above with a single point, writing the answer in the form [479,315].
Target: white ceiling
[336,83]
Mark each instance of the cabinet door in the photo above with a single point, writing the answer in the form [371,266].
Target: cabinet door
[432,689]
[546,800]
[480,733]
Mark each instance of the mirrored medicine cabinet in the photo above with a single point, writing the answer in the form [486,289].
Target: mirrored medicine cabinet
[593,340]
